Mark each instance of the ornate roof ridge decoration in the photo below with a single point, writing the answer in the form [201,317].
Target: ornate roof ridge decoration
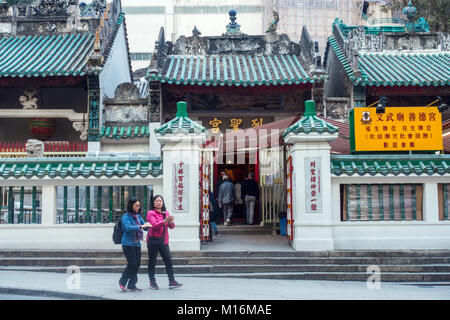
[310,123]
[181,124]
[297,68]
[94,9]
[420,26]
[383,165]
[273,25]
[390,59]
[233,28]
[103,166]
[126,93]
[57,8]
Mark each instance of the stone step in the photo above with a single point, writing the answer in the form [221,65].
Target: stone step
[261,261]
[245,230]
[246,268]
[442,278]
[119,254]
[416,278]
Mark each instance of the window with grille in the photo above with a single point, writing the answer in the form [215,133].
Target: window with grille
[444,200]
[381,202]
[140,56]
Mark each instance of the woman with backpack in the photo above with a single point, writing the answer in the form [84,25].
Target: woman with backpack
[158,241]
[133,227]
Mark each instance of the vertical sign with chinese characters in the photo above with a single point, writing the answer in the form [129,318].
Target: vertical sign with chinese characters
[289,204]
[181,188]
[313,185]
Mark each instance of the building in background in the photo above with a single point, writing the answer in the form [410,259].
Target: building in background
[405,63]
[145,18]
[318,16]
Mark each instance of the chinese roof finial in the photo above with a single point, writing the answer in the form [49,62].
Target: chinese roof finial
[410,11]
[273,25]
[196,32]
[420,26]
[233,27]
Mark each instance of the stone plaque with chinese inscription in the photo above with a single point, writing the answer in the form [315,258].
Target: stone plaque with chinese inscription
[181,188]
[313,185]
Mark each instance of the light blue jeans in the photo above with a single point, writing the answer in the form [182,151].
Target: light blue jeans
[214,226]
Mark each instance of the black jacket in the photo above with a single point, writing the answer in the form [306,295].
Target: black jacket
[250,187]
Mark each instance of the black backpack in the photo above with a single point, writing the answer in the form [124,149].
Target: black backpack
[117,232]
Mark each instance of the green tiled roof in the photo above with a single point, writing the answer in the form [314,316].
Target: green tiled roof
[45,55]
[233,70]
[310,123]
[425,68]
[394,164]
[341,56]
[181,123]
[407,69]
[124,132]
[98,167]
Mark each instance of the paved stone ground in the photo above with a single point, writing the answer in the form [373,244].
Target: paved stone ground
[96,285]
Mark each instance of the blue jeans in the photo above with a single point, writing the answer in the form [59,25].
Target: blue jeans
[214,226]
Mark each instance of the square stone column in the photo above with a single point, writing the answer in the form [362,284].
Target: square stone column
[311,183]
[182,140]
[48,205]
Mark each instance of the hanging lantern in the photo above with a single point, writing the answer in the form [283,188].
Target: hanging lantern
[42,128]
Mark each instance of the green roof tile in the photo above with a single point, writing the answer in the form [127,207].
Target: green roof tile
[397,68]
[246,70]
[124,132]
[98,167]
[44,55]
[181,123]
[310,123]
[390,164]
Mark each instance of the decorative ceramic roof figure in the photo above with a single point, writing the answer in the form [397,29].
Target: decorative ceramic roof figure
[233,28]
[273,25]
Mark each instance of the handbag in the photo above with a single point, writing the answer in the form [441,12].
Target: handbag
[158,240]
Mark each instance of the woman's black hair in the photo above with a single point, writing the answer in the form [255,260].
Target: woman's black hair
[152,204]
[131,202]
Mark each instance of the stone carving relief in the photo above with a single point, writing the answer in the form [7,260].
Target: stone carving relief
[28,99]
[56,8]
[35,148]
[337,110]
[81,127]
[125,115]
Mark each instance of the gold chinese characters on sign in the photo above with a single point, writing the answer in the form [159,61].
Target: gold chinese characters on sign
[397,129]
[235,123]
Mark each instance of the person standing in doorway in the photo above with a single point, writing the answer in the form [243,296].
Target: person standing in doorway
[227,195]
[250,191]
[219,182]
[158,241]
[133,227]
[214,213]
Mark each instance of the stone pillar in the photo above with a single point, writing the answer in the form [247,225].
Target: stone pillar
[182,140]
[430,202]
[155,146]
[311,185]
[48,205]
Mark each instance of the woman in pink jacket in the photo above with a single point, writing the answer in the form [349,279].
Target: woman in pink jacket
[158,240]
